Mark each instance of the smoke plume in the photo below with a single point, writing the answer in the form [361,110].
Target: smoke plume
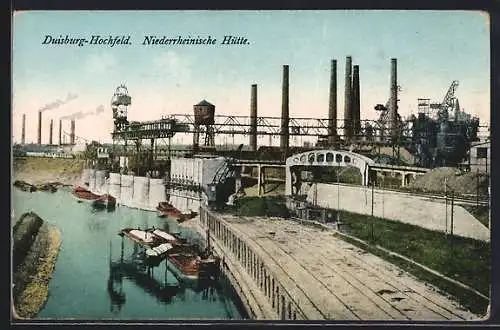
[57,103]
[80,115]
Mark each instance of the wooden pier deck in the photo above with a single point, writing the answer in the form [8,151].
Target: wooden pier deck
[308,273]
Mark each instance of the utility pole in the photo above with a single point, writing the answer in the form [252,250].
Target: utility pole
[208,237]
[446,208]
[373,193]
[489,207]
[452,199]
[451,229]
[373,220]
[477,188]
[338,197]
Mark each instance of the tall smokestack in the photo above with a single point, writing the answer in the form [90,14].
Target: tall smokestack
[393,104]
[23,130]
[72,132]
[50,131]
[284,112]
[60,132]
[253,118]
[39,140]
[348,99]
[355,101]
[332,107]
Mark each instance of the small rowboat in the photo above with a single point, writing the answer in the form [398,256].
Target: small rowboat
[165,209]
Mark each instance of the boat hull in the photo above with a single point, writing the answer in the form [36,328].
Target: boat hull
[192,267]
[166,210]
[99,201]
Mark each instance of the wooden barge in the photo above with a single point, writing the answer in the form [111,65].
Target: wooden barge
[98,201]
[185,261]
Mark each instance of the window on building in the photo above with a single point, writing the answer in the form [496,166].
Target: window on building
[482,152]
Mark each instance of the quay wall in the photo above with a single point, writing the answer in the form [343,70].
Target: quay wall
[188,176]
[282,298]
[132,191]
[100,182]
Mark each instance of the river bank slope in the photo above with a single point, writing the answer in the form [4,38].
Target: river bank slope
[39,170]
[35,249]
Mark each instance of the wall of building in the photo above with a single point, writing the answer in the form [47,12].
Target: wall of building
[193,172]
[478,161]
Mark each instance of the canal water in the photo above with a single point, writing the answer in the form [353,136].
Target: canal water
[92,281]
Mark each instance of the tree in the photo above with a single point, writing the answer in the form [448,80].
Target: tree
[91,150]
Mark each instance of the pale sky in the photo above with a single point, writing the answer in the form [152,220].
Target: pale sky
[433,48]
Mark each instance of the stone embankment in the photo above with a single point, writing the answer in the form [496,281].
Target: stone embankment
[35,249]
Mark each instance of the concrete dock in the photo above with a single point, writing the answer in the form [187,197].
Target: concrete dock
[302,272]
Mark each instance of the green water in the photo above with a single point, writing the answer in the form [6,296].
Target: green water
[83,285]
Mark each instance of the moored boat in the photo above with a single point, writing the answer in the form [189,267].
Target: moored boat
[142,237]
[152,237]
[165,209]
[105,201]
[84,194]
[159,250]
[194,267]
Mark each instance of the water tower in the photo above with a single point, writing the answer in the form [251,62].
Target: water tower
[119,104]
[204,113]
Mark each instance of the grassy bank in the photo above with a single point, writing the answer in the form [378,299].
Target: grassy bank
[36,170]
[465,260]
[31,278]
[254,206]
[481,213]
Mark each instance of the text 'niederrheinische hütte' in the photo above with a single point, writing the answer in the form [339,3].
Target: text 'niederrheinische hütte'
[200,41]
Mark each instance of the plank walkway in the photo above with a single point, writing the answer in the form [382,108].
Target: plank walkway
[332,279]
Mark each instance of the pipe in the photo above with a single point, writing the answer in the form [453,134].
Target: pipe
[196,138]
[348,99]
[355,101]
[285,115]
[39,139]
[72,133]
[253,118]
[60,132]
[50,131]
[393,104]
[332,107]
[23,130]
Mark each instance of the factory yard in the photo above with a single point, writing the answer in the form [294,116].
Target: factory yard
[332,279]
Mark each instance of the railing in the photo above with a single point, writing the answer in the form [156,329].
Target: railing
[254,263]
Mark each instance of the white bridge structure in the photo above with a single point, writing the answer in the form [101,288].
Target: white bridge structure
[333,158]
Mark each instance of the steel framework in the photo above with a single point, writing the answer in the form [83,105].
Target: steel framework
[234,125]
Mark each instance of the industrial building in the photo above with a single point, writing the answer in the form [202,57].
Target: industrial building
[479,157]
[439,134]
